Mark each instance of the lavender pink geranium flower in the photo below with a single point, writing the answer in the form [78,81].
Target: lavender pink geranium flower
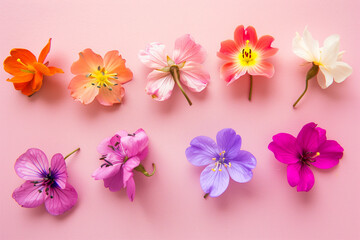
[222,159]
[310,147]
[44,183]
[121,155]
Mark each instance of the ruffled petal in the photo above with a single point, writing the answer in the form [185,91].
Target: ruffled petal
[284,148]
[106,172]
[58,170]
[330,153]
[114,183]
[231,71]
[340,71]
[228,50]
[240,168]
[32,165]
[82,90]
[61,200]
[186,50]
[264,46]
[293,174]
[262,69]
[308,139]
[160,85]
[44,52]
[130,188]
[194,77]
[229,141]
[301,49]
[154,56]
[201,151]
[114,63]
[307,180]
[330,51]
[324,78]
[109,97]
[214,182]
[88,63]
[29,195]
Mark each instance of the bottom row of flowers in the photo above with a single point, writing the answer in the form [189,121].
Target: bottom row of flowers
[122,153]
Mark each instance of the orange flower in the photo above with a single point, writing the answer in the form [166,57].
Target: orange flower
[27,71]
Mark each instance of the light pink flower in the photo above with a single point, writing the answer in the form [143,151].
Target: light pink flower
[184,66]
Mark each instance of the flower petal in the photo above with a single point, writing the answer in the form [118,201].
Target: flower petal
[44,52]
[114,63]
[264,46]
[12,66]
[128,168]
[21,78]
[262,69]
[229,141]
[340,71]
[250,34]
[36,83]
[82,90]
[130,189]
[106,172]
[201,151]
[24,55]
[302,50]
[330,51]
[240,169]
[239,35]
[103,148]
[324,78]
[308,139]
[307,179]
[214,183]
[29,195]
[330,153]
[293,174]
[187,50]
[312,45]
[231,71]
[194,77]
[58,170]
[88,63]
[32,165]
[284,148]
[61,200]
[114,183]
[228,50]
[142,140]
[160,85]
[109,97]
[154,56]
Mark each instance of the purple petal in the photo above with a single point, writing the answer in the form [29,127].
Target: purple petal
[293,174]
[61,200]
[28,195]
[240,169]
[308,139]
[58,169]
[201,151]
[106,172]
[103,147]
[229,141]
[32,165]
[306,179]
[284,148]
[322,135]
[128,168]
[142,140]
[130,188]
[330,153]
[114,183]
[214,182]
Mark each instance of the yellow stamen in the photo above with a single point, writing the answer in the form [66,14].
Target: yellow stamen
[19,61]
[101,78]
[247,56]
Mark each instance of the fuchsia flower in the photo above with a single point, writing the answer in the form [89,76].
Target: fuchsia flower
[184,66]
[309,148]
[246,54]
[122,154]
[44,183]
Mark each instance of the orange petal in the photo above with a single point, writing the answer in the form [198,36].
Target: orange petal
[27,90]
[37,82]
[21,78]
[24,55]
[54,70]
[12,66]
[114,63]
[19,86]
[41,68]
[108,97]
[44,52]
[88,63]
[82,90]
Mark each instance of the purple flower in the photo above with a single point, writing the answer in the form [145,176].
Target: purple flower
[309,148]
[44,184]
[223,158]
[121,154]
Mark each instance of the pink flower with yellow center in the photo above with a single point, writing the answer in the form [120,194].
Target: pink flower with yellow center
[246,54]
[99,78]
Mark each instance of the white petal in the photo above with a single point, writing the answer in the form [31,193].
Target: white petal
[341,71]
[330,51]
[154,56]
[324,78]
[340,54]
[300,49]
[312,45]
[160,85]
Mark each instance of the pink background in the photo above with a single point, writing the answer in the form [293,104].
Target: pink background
[170,205]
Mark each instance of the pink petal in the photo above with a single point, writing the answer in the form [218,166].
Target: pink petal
[330,153]
[61,200]
[128,167]
[187,50]
[142,142]
[228,50]
[194,77]
[308,138]
[239,35]
[284,148]
[32,165]
[88,62]
[307,179]
[82,90]
[106,172]
[114,183]
[109,97]
[293,174]
[103,148]
[154,56]
[231,71]
[130,188]
[58,168]
[262,69]
[264,46]
[160,85]
[114,63]
[28,195]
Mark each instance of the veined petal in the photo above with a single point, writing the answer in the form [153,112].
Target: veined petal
[201,151]
[114,183]
[194,77]
[214,182]
[109,97]
[44,52]
[82,90]
[58,170]
[264,46]
[240,168]
[106,172]
[308,139]
[154,56]
[231,71]
[262,69]
[32,165]
[114,63]
[229,141]
[228,50]
[284,148]
[340,71]
[324,78]
[312,45]
[301,49]
[88,63]
[130,188]
[186,50]
[306,179]
[330,153]
[330,50]
[61,200]
[29,195]
[160,85]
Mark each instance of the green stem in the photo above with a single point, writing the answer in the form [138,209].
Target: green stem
[141,169]
[175,73]
[251,87]
[71,153]
[206,195]
[310,74]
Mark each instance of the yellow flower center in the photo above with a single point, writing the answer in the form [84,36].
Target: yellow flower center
[101,78]
[29,68]
[247,56]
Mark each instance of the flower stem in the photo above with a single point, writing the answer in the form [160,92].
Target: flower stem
[141,169]
[175,73]
[71,153]
[310,74]
[251,87]
[206,195]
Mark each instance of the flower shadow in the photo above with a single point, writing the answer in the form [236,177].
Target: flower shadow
[52,90]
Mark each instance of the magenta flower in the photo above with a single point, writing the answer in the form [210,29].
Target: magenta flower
[184,66]
[223,158]
[309,148]
[44,184]
[122,154]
